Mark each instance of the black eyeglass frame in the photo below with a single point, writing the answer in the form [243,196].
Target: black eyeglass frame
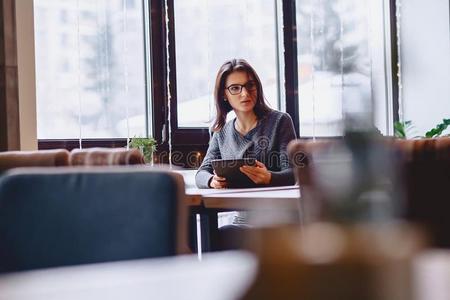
[252,87]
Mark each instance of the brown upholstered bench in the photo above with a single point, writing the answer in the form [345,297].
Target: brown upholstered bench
[105,157]
[41,158]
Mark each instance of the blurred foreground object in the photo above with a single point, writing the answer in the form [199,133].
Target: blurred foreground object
[350,180]
[219,276]
[353,244]
[406,179]
[328,261]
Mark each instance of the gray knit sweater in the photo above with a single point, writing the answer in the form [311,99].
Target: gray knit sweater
[267,142]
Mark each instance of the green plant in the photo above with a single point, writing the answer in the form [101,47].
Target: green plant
[146,145]
[403,130]
[437,131]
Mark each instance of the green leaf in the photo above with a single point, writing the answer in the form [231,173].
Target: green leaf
[402,128]
[439,129]
[399,130]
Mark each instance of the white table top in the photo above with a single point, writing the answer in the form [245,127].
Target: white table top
[278,197]
[219,276]
[207,192]
[257,198]
[281,197]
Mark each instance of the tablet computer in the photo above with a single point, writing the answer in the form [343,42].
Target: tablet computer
[229,169]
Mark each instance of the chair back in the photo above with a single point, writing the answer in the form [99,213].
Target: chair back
[105,157]
[67,216]
[426,176]
[424,171]
[41,158]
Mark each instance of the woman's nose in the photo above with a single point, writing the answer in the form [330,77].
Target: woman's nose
[244,92]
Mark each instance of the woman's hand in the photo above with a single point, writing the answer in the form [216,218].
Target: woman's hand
[218,182]
[258,174]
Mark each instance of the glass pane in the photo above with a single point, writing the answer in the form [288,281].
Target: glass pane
[90,68]
[209,32]
[425,65]
[334,64]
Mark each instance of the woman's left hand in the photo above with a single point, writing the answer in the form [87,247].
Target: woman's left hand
[258,174]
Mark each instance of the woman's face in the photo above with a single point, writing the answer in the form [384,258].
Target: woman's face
[241,91]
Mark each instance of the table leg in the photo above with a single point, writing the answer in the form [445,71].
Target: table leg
[193,230]
[213,229]
[208,230]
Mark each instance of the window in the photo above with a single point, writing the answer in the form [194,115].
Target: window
[337,72]
[90,69]
[318,61]
[209,32]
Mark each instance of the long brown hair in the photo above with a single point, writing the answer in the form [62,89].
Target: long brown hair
[224,107]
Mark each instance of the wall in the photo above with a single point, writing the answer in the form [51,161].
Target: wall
[26,74]
[17,79]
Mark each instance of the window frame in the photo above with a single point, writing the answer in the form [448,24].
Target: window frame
[394,59]
[156,91]
[180,135]
[290,62]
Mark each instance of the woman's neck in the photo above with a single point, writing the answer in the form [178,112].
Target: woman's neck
[245,121]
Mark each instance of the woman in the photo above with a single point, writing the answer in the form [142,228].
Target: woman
[257,131]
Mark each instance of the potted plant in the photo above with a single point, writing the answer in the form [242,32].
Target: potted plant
[146,145]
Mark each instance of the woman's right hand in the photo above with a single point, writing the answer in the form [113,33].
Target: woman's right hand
[218,182]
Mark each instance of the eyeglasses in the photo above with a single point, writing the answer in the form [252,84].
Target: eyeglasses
[236,89]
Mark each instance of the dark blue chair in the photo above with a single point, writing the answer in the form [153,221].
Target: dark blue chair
[68,216]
